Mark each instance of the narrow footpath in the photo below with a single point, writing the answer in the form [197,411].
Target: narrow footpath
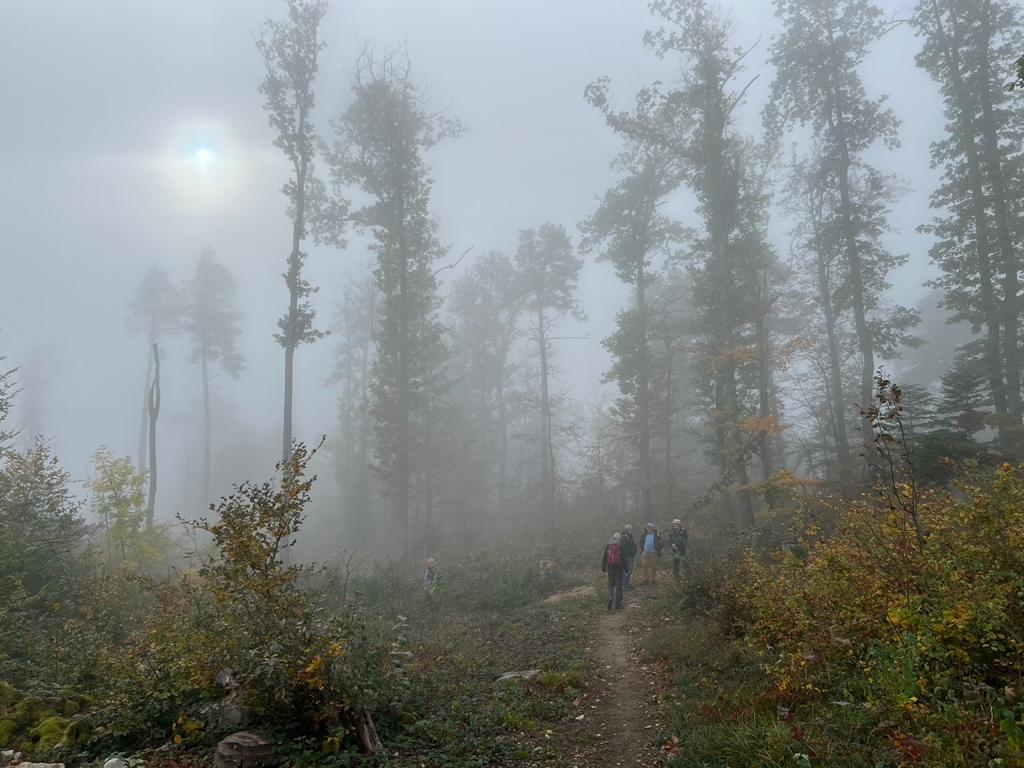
[619,721]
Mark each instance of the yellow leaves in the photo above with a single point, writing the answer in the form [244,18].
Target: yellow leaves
[186,728]
[312,674]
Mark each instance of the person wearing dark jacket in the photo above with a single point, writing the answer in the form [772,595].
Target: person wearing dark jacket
[677,538]
[629,549]
[611,564]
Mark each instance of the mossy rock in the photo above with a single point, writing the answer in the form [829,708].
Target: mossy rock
[8,696]
[7,730]
[77,732]
[30,711]
[71,708]
[49,734]
[81,699]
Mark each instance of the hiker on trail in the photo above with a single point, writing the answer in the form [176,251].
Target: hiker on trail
[430,578]
[677,541]
[628,556]
[650,547]
[611,563]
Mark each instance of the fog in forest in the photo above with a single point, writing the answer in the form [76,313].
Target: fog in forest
[338,337]
[140,141]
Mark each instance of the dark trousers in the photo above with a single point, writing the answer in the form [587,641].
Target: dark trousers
[615,587]
[677,564]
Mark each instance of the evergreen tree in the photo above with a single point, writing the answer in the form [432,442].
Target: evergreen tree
[548,270]
[355,353]
[42,562]
[978,232]
[380,143]
[817,57]
[211,321]
[486,306]
[629,230]
[962,397]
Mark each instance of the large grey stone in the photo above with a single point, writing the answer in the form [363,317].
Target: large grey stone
[244,750]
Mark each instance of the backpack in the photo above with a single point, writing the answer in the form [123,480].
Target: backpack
[614,556]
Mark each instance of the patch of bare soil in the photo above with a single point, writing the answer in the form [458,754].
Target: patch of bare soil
[571,594]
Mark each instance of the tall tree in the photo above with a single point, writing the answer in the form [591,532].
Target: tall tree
[486,305]
[549,271]
[290,50]
[380,143]
[817,57]
[155,313]
[211,321]
[355,353]
[977,230]
[7,392]
[695,121]
[630,231]
[153,408]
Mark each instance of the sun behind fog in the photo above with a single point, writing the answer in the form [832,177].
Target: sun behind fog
[198,166]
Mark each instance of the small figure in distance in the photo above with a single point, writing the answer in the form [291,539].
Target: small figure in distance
[677,538]
[430,578]
[611,563]
[650,552]
[628,556]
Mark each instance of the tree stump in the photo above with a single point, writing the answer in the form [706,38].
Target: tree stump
[244,750]
[367,733]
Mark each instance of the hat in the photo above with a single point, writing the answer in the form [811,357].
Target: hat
[677,521]
[629,527]
[430,561]
[649,525]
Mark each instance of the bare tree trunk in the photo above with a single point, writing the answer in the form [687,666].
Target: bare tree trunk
[669,407]
[502,446]
[837,401]
[144,420]
[205,371]
[547,447]
[864,339]
[1011,261]
[643,396]
[154,413]
[403,459]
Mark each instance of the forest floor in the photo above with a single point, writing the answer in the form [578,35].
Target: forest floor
[619,722]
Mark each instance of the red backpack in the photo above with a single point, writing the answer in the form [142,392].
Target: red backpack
[614,557]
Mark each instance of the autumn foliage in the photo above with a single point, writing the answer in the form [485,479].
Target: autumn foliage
[892,643]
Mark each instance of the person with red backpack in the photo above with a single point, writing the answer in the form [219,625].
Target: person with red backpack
[614,565]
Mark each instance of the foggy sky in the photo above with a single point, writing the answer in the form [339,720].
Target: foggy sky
[105,102]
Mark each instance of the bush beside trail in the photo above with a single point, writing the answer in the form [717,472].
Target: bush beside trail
[892,637]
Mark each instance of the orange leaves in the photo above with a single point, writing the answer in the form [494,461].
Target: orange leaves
[766,425]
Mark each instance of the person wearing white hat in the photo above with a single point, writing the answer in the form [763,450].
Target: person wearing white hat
[677,538]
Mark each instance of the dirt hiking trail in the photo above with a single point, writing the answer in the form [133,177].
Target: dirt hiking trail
[618,722]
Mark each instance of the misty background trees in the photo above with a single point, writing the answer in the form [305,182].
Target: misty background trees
[750,216]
